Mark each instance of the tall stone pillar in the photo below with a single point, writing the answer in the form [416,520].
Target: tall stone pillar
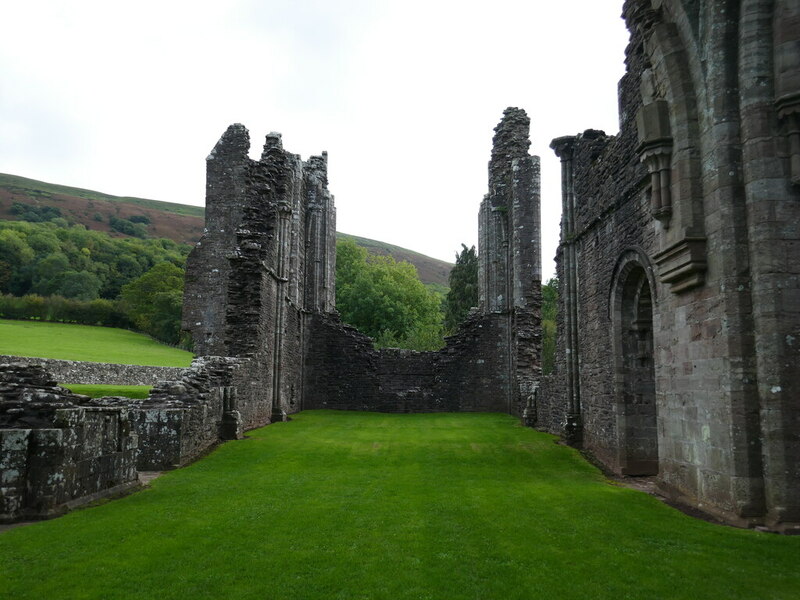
[564,147]
[509,253]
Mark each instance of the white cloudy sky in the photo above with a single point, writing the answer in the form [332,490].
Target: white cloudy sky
[129,97]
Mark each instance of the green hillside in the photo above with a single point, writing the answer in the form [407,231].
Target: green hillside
[430,270]
[40,189]
[84,342]
[179,222]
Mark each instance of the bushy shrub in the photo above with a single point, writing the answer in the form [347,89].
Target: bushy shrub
[64,310]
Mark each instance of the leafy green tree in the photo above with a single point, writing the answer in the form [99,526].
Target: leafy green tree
[79,285]
[35,257]
[153,301]
[549,312]
[386,300]
[463,293]
[48,273]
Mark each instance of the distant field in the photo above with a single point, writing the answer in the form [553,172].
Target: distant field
[83,342]
[98,391]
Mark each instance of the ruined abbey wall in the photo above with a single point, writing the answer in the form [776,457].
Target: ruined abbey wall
[679,263]
[471,373]
[264,290]
[265,264]
[492,362]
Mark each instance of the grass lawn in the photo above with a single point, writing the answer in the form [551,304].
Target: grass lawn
[84,342]
[356,505]
[98,391]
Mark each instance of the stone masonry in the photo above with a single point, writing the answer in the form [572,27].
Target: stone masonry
[679,263]
[94,373]
[56,451]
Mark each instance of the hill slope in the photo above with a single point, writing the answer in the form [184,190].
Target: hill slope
[179,222]
[430,270]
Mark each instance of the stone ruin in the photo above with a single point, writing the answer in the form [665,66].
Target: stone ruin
[679,263]
[57,449]
[679,272]
[260,286]
[260,306]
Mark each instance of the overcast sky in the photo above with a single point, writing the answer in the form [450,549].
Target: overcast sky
[128,98]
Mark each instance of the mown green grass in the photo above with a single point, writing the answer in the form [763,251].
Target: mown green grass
[84,342]
[98,391]
[355,505]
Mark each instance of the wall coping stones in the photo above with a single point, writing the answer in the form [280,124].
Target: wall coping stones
[95,373]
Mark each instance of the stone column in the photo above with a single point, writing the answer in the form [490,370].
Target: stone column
[284,225]
[564,148]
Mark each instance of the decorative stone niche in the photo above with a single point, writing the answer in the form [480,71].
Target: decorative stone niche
[655,151]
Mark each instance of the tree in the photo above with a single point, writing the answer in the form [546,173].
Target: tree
[549,312]
[80,285]
[386,300]
[463,293]
[154,300]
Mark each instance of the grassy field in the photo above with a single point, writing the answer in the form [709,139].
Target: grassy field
[83,342]
[98,391]
[356,505]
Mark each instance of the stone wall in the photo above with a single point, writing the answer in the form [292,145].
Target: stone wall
[492,362]
[509,254]
[92,373]
[181,420]
[678,264]
[55,453]
[346,372]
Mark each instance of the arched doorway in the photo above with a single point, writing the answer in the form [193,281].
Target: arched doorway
[637,413]
[631,309]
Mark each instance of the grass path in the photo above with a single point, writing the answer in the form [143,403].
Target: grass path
[84,342]
[98,391]
[356,505]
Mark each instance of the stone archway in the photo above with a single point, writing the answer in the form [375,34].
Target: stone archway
[635,392]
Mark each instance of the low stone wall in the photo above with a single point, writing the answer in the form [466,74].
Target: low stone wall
[55,454]
[92,373]
[58,449]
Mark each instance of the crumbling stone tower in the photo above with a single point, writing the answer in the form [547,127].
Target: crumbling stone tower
[265,262]
[509,248]
[679,262]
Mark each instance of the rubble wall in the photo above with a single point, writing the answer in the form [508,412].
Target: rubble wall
[93,373]
[55,454]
